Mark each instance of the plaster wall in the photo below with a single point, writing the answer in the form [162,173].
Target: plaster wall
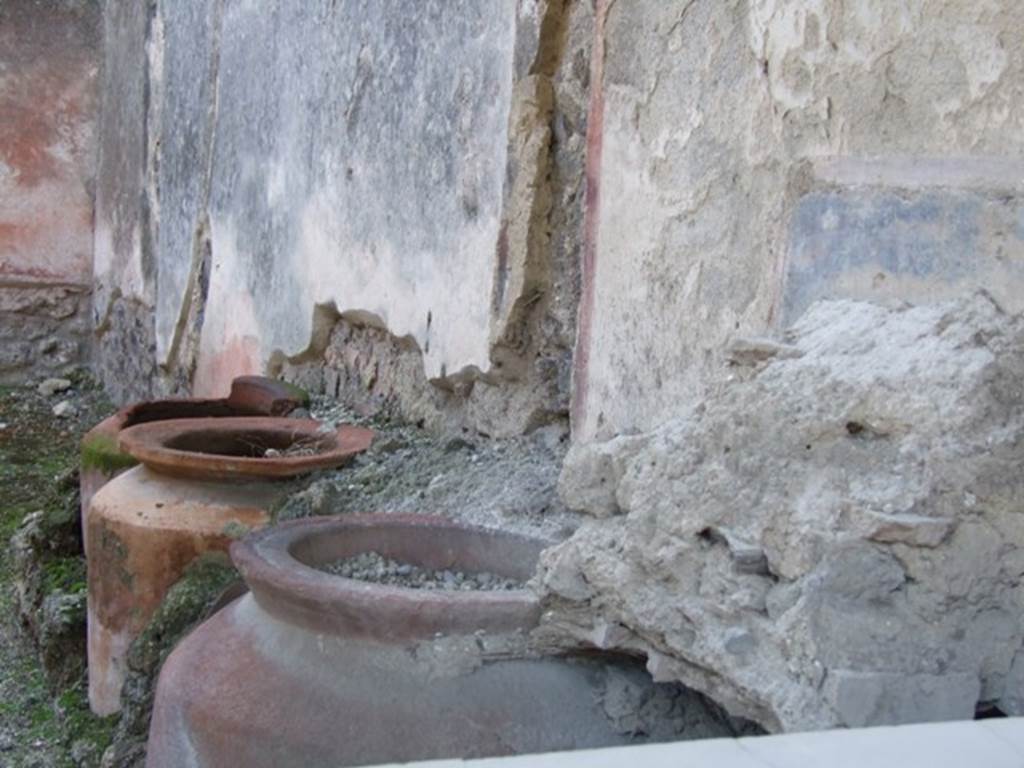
[301,155]
[272,172]
[363,167]
[752,156]
[49,59]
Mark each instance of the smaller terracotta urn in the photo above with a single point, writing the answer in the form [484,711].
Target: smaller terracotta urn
[102,458]
[312,669]
[202,482]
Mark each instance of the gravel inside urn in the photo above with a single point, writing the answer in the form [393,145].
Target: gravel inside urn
[254,443]
[371,566]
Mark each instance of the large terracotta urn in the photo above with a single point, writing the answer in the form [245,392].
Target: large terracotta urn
[201,483]
[102,458]
[315,670]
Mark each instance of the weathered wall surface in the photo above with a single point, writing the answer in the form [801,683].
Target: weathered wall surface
[267,173]
[359,161]
[284,168]
[49,58]
[536,280]
[756,156]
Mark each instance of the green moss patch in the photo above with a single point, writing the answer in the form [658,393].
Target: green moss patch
[192,599]
[101,452]
[301,395]
[66,574]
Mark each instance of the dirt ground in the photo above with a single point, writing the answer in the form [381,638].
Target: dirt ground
[40,727]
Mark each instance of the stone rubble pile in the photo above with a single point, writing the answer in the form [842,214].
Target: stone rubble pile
[833,537]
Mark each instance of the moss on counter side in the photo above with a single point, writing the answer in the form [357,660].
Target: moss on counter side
[205,586]
[101,452]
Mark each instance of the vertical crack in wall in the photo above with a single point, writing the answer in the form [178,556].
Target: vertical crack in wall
[149,202]
[183,353]
[523,266]
[521,270]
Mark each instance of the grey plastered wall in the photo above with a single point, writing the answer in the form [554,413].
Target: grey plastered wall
[756,156]
[304,154]
[411,170]
[359,160]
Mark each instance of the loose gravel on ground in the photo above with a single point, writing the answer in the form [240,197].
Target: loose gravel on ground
[506,484]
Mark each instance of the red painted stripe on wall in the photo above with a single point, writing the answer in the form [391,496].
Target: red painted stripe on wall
[595,130]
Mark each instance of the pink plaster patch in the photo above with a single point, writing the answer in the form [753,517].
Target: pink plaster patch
[240,356]
[48,105]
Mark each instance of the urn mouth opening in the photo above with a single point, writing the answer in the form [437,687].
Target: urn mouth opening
[436,548]
[242,447]
[282,566]
[165,410]
[250,396]
[252,443]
